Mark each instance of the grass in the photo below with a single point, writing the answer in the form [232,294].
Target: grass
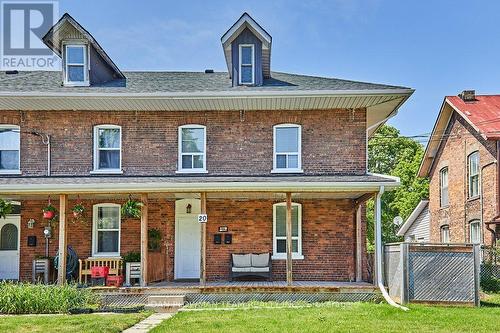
[70,323]
[335,317]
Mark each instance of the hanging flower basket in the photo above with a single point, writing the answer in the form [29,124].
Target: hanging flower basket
[5,208]
[132,208]
[49,211]
[78,211]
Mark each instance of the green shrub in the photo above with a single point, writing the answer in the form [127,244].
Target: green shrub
[19,298]
[489,280]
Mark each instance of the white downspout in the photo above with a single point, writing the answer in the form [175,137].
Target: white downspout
[378,251]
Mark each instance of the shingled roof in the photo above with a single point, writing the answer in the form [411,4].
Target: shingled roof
[157,82]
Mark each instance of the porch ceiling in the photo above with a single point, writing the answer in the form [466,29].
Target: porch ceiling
[330,185]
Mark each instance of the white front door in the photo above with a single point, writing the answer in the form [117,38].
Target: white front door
[9,248]
[187,247]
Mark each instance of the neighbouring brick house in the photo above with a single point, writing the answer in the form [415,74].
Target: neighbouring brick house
[277,161]
[461,161]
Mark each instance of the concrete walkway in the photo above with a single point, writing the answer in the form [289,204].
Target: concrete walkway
[147,324]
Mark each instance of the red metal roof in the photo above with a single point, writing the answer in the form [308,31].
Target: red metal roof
[483,113]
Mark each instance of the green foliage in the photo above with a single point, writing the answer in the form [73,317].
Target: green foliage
[391,154]
[132,209]
[154,239]
[19,298]
[5,208]
[49,208]
[489,283]
[132,257]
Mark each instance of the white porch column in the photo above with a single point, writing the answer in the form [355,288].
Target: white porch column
[377,276]
[203,247]
[144,240]
[289,278]
[359,243]
[61,268]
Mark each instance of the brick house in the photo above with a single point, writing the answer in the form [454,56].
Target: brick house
[461,162]
[276,161]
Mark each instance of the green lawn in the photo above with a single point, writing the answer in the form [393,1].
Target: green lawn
[69,323]
[339,317]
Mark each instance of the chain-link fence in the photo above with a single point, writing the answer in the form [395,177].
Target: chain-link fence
[432,273]
[490,269]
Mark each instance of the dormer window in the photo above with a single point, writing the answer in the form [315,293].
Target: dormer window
[75,65]
[247,64]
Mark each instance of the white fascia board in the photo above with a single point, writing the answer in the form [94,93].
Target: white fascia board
[250,21]
[324,187]
[218,94]
[416,212]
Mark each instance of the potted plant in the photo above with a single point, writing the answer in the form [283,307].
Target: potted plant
[5,208]
[132,208]
[132,267]
[49,212]
[78,210]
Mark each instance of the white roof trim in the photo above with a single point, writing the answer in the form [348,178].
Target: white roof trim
[126,187]
[245,18]
[416,212]
[218,94]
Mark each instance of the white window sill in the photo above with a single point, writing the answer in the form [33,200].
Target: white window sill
[10,172]
[107,172]
[282,256]
[76,84]
[106,256]
[287,171]
[191,171]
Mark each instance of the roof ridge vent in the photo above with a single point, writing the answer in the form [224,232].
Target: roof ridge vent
[468,95]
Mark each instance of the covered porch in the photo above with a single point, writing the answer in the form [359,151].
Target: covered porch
[312,227]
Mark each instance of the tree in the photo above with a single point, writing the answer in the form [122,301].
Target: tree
[389,153]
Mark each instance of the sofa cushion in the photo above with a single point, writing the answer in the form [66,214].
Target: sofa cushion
[259,269]
[242,260]
[242,269]
[260,260]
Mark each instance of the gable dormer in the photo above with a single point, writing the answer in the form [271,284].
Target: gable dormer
[84,62]
[247,48]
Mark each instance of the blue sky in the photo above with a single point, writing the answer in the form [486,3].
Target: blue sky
[436,47]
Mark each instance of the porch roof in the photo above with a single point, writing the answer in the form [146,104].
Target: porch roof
[155,184]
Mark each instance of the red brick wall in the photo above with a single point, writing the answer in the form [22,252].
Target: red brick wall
[333,141]
[461,140]
[328,236]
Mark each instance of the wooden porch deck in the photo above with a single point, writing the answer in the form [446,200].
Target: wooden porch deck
[244,291]
[252,287]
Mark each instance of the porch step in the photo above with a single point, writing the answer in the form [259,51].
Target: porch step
[165,303]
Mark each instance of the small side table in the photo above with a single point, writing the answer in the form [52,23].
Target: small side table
[132,271]
[41,267]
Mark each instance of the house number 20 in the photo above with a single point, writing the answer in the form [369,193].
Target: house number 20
[202,218]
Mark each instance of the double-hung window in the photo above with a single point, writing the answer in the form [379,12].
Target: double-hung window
[287,148]
[445,234]
[247,64]
[473,170]
[475,232]
[443,186]
[192,148]
[75,65]
[107,149]
[9,149]
[279,231]
[106,230]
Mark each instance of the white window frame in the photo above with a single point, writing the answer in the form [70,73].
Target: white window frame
[85,65]
[442,234]
[18,170]
[180,153]
[95,231]
[443,187]
[471,175]
[295,255]
[298,153]
[478,224]
[246,65]
[97,149]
